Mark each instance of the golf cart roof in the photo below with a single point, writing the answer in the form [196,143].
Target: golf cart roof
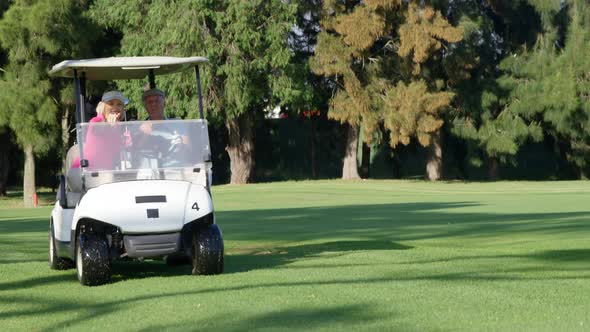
[117,68]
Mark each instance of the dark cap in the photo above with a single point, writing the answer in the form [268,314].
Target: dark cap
[153,92]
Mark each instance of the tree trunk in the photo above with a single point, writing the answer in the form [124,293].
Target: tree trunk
[240,148]
[350,168]
[581,170]
[575,152]
[312,139]
[366,161]
[4,162]
[434,164]
[29,177]
[494,169]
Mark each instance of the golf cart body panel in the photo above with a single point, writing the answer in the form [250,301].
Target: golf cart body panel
[152,245]
[145,207]
[62,222]
[124,67]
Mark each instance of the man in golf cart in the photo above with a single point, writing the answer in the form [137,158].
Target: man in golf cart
[154,101]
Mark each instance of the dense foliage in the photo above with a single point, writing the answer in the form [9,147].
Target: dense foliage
[245,41]
[377,52]
[35,35]
[487,76]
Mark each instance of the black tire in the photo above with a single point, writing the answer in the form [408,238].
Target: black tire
[56,262]
[92,259]
[207,250]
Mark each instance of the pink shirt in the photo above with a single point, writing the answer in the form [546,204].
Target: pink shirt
[102,147]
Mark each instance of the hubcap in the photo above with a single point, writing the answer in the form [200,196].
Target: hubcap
[79,262]
[51,249]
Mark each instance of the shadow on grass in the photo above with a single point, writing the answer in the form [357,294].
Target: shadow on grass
[301,319]
[573,255]
[271,258]
[19,261]
[23,225]
[384,222]
[394,222]
[374,227]
[38,281]
[579,256]
[103,307]
[304,318]
[128,270]
[121,271]
[293,318]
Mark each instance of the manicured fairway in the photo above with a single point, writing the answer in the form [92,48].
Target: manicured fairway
[332,255]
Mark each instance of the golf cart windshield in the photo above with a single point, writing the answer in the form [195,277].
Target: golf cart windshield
[142,150]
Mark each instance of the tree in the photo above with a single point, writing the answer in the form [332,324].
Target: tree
[31,116]
[337,55]
[246,43]
[494,30]
[35,35]
[4,131]
[313,90]
[550,83]
[4,160]
[535,87]
[377,52]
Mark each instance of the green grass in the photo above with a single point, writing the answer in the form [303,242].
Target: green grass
[332,255]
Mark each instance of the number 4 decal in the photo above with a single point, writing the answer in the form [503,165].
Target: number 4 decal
[195,206]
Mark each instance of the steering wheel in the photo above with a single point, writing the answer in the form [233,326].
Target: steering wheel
[160,144]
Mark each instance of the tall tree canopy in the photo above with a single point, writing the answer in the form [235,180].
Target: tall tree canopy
[246,43]
[550,83]
[530,82]
[492,131]
[4,130]
[36,34]
[376,51]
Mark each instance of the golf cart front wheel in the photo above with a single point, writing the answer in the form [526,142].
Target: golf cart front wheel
[92,259]
[56,262]
[207,250]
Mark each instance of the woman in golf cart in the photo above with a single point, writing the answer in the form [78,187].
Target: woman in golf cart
[102,145]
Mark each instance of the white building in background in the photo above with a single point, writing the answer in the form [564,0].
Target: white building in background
[272,113]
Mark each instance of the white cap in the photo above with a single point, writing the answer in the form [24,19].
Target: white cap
[110,95]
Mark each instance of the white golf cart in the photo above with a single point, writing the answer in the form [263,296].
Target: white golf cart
[153,200]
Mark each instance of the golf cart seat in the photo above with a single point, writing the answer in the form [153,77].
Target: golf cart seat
[73,177]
